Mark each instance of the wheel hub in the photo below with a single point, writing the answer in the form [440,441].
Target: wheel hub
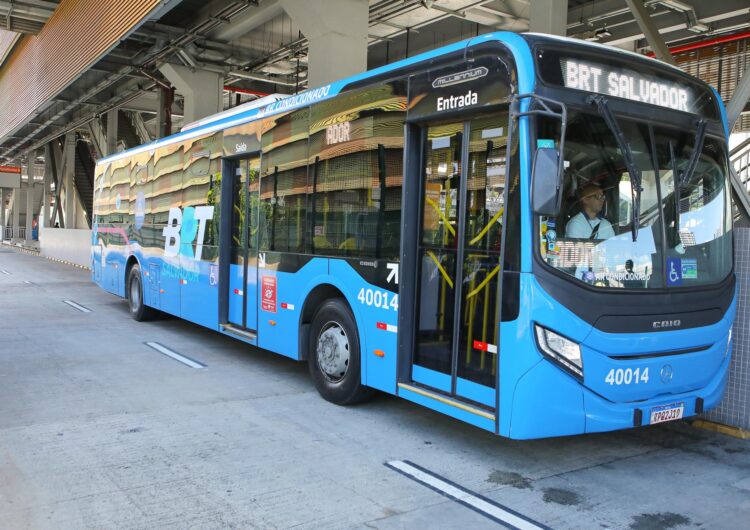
[333,351]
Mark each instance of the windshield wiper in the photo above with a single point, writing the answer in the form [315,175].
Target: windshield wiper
[682,178]
[700,135]
[635,175]
[677,186]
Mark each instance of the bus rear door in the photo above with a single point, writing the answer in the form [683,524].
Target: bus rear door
[242,296]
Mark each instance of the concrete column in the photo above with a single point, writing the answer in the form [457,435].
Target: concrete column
[44,217]
[2,214]
[549,16]
[70,166]
[337,31]
[29,209]
[202,90]
[112,124]
[16,211]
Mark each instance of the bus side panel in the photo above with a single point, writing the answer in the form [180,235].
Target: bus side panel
[376,311]
[169,284]
[199,300]
[280,301]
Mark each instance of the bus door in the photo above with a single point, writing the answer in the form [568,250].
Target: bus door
[458,257]
[243,267]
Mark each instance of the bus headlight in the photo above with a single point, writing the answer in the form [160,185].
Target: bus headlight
[563,351]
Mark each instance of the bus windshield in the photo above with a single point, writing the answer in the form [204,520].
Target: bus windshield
[682,235]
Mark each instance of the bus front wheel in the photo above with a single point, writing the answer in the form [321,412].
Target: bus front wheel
[334,355]
[138,309]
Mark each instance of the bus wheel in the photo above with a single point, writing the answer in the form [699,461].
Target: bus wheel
[334,355]
[138,310]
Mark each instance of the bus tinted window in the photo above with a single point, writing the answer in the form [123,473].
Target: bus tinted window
[283,185]
[356,156]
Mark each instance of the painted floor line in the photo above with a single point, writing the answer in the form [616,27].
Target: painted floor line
[482,505]
[74,305]
[174,355]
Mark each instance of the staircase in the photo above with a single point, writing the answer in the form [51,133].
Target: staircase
[739,160]
[84,177]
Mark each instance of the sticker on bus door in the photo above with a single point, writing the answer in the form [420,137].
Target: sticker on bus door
[268,286]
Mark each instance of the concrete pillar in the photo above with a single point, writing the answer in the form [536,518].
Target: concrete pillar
[70,166]
[337,31]
[16,211]
[44,217]
[112,125]
[2,214]
[202,90]
[549,16]
[29,206]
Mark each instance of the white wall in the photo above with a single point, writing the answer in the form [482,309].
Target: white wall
[66,244]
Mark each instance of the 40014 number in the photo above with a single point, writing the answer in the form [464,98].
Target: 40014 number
[380,299]
[627,376]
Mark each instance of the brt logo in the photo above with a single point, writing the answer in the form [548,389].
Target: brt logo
[183,227]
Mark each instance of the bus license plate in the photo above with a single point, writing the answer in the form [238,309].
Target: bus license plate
[667,413]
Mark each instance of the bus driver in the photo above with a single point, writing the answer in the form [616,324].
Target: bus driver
[589,223]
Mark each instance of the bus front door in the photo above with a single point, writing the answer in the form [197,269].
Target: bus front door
[243,268]
[458,257]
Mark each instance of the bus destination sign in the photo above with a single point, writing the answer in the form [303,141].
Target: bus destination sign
[626,84]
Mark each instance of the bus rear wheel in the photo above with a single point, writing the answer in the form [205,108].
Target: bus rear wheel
[138,309]
[334,355]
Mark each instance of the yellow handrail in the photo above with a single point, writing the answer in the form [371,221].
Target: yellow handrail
[486,228]
[446,277]
[484,282]
[442,215]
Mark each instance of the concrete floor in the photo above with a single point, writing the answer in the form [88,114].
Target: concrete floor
[97,430]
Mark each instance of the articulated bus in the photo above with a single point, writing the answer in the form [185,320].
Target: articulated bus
[530,234]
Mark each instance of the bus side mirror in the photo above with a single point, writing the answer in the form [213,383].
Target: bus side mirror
[546,175]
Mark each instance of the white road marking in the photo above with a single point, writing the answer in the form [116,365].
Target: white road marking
[174,355]
[4,272]
[471,500]
[72,304]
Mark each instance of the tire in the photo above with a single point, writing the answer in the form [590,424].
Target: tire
[334,355]
[138,310]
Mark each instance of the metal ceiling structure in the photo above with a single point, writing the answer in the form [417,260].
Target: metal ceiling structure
[259,49]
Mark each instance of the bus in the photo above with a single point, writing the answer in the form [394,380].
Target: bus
[530,234]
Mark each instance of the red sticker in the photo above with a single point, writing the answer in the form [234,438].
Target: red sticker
[268,302]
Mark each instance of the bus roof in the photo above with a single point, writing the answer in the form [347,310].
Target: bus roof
[225,119]
[220,122]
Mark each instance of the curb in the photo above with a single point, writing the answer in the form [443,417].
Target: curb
[734,432]
[39,254]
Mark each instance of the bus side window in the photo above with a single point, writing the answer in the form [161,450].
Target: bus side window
[356,159]
[284,182]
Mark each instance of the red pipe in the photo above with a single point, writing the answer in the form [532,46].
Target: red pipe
[706,43]
[246,91]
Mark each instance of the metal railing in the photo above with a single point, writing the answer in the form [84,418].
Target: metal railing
[8,232]
[739,157]
[21,232]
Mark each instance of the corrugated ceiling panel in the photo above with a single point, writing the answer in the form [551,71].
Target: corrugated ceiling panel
[78,34]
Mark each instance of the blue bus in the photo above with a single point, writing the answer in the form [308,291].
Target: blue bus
[527,233]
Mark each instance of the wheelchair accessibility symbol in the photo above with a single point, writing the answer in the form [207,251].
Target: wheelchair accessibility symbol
[674,272]
[213,276]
